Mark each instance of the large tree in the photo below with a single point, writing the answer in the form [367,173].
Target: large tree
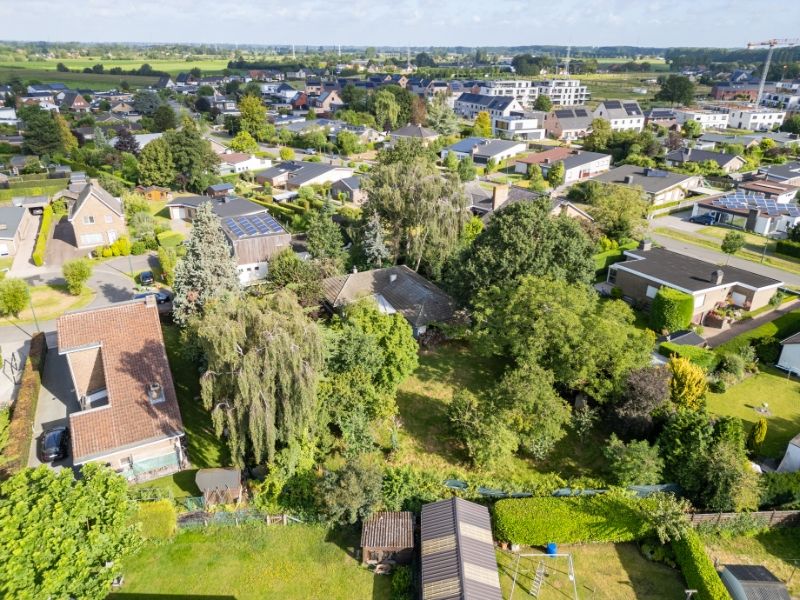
[635,463]
[192,156]
[41,134]
[676,89]
[522,238]
[264,358]
[386,110]
[483,125]
[543,103]
[146,102]
[126,142]
[155,164]
[61,537]
[69,142]
[207,269]
[599,138]
[253,118]
[619,211]
[646,391]
[441,117]
[324,236]
[164,118]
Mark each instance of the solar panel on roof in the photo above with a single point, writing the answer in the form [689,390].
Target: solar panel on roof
[581,113]
[613,104]
[563,114]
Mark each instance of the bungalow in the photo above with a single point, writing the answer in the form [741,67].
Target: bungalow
[96,217]
[622,115]
[788,173]
[295,174]
[752,582]
[483,150]
[751,212]
[484,203]
[240,162]
[15,226]
[663,117]
[350,188]
[185,208]
[129,417]
[417,132]
[729,163]
[568,123]
[220,190]
[578,164]
[772,190]
[395,290]
[254,239]
[647,269]
[659,186]
[154,193]
[122,108]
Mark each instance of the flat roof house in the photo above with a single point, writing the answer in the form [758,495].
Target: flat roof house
[129,416]
[578,164]
[659,186]
[482,150]
[396,290]
[647,269]
[458,556]
[15,226]
[772,190]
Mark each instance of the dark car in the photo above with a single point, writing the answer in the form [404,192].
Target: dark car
[54,444]
[704,219]
[146,278]
[162,297]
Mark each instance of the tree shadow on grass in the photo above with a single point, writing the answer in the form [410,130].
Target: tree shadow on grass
[647,580]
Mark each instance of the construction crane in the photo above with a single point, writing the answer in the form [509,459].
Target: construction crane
[771,44]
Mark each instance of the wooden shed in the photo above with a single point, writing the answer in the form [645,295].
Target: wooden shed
[220,486]
[387,538]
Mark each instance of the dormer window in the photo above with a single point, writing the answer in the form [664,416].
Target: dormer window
[155,393]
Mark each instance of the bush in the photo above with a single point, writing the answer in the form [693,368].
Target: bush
[41,238]
[780,490]
[732,364]
[407,488]
[77,273]
[672,310]
[700,356]
[138,247]
[402,584]
[158,519]
[611,517]
[788,248]
[170,239]
[121,247]
[697,568]
[779,329]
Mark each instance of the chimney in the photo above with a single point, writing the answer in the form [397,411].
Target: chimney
[716,276]
[546,161]
[646,245]
[628,179]
[499,196]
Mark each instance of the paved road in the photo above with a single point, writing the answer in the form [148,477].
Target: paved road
[741,327]
[720,258]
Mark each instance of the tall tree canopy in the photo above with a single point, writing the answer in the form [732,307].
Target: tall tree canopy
[253,118]
[41,134]
[264,358]
[676,89]
[155,164]
[192,156]
[442,118]
[386,110]
[207,270]
[58,535]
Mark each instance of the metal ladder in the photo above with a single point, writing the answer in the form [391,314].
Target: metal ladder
[538,579]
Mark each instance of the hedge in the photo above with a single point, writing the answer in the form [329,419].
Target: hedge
[780,328]
[158,519]
[15,455]
[706,359]
[671,310]
[780,490]
[697,568]
[788,247]
[41,238]
[603,260]
[611,517]
[170,239]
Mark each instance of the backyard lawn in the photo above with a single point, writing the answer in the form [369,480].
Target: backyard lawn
[252,562]
[613,571]
[782,396]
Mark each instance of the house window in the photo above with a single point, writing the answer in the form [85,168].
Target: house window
[699,300]
[612,276]
[109,219]
[651,292]
[88,220]
[92,239]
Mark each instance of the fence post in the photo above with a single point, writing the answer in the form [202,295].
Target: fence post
[285,520]
[772,517]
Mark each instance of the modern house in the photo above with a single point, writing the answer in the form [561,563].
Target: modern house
[97,218]
[395,289]
[751,212]
[458,556]
[15,226]
[729,163]
[482,150]
[663,117]
[240,162]
[623,115]
[772,190]
[647,269]
[659,186]
[527,126]
[578,164]
[568,123]
[129,417]
[752,582]
[255,239]
[708,119]
[469,105]
[756,119]
[388,538]
[293,175]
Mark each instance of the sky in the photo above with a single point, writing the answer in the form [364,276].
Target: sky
[659,23]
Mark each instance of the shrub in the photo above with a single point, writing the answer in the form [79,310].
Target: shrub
[732,364]
[170,239]
[788,248]
[121,247]
[402,583]
[138,247]
[77,273]
[41,238]
[407,488]
[697,568]
[672,310]
[700,356]
[158,519]
[780,490]
[611,517]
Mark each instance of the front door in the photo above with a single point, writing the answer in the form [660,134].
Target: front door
[112,236]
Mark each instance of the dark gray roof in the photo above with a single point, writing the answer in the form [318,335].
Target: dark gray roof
[757,582]
[781,172]
[580,158]
[354,182]
[486,101]
[415,131]
[650,180]
[229,206]
[94,190]
[10,219]
[309,171]
[618,109]
[251,226]
[682,155]
[30,201]
[409,293]
[458,557]
[220,478]
[221,187]
[687,273]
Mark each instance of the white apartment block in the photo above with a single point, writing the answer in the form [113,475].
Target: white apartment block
[755,118]
[523,90]
[622,115]
[708,119]
[788,101]
[563,92]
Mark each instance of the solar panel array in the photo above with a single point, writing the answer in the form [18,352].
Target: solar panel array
[632,109]
[253,225]
[743,200]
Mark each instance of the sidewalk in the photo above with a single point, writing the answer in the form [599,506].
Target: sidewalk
[744,326]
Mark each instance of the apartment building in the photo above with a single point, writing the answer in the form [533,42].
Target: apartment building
[708,119]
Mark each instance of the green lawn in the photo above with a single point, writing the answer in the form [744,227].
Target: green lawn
[777,549]
[781,327]
[52,300]
[172,66]
[181,484]
[253,562]
[28,71]
[613,571]
[205,449]
[770,386]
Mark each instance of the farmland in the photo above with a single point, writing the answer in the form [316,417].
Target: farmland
[94,81]
[172,66]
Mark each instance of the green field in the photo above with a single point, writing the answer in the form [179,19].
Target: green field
[172,66]
[74,80]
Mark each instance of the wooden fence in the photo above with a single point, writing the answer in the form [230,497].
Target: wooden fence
[771,518]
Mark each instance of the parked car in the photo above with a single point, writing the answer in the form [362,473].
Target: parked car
[704,219]
[53,444]
[162,297]
[146,278]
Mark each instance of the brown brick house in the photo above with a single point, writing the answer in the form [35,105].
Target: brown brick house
[129,416]
[97,217]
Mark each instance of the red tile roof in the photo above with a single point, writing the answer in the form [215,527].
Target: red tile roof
[554,154]
[133,355]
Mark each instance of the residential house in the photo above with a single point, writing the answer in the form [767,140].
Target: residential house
[122,108]
[165,82]
[578,164]
[299,101]
[752,582]
[659,186]
[756,119]
[240,162]
[525,91]
[129,417]
[220,190]
[8,116]
[647,269]
[737,91]
[18,162]
[662,117]
[15,226]
[350,188]
[527,126]
[623,115]
[469,105]
[255,239]
[484,203]
[44,102]
[387,538]
[458,553]
[97,218]
[751,212]
[772,190]
[568,123]
[328,101]
[395,289]
[225,105]
[417,132]
[154,193]
[788,101]
[710,141]
[790,361]
[729,163]
[708,119]
[74,102]
[185,208]
[185,79]
[788,173]
[482,150]
[293,175]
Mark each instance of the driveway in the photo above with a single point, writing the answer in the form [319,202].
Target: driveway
[23,260]
[56,402]
[678,221]
[62,246]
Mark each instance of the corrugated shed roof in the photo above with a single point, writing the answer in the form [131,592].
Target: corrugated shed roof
[390,530]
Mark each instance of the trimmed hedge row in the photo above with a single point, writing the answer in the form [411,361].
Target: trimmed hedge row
[41,238]
[706,359]
[603,260]
[788,247]
[609,517]
[671,310]
[780,328]
[697,568]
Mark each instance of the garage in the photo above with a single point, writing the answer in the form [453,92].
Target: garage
[92,239]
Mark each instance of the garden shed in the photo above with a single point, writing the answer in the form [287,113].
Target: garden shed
[388,538]
[753,582]
[220,486]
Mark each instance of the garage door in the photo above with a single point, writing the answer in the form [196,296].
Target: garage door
[3,249]
[738,299]
[92,239]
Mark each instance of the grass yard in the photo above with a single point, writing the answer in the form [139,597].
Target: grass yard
[5,265]
[252,562]
[777,549]
[205,449]
[51,301]
[781,394]
[613,571]
[181,484]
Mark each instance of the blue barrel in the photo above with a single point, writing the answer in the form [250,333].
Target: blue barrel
[552,549]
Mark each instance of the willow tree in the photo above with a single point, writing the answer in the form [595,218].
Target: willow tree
[264,357]
[424,210]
